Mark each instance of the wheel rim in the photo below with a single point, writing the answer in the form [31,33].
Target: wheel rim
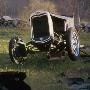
[15,51]
[75,43]
[15,58]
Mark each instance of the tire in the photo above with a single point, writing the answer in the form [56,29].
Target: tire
[17,52]
[73,44]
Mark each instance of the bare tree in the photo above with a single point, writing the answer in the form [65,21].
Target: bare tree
[38,5]
[3,7]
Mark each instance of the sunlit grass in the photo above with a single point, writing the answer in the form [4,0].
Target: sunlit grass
[42,74]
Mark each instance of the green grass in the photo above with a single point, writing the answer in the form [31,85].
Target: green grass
[85,38]
[42,74]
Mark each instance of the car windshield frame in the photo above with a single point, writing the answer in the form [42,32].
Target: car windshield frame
[40,26]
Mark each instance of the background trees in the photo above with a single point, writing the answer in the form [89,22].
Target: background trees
[38,5]
[17,8]
[3,7]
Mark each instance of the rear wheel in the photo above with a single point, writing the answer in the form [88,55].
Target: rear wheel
[17,51]
[73,44]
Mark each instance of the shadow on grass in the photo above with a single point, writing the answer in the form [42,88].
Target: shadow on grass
[4,58]
[40,62]
[79,83]
[37,61]
[13,81]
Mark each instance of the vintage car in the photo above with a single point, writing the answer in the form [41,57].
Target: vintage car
[53,34]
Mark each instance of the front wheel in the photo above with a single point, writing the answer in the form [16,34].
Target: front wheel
[73,44]
[17,50]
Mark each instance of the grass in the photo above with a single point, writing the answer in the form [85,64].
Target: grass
[41,73]
[85,38]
